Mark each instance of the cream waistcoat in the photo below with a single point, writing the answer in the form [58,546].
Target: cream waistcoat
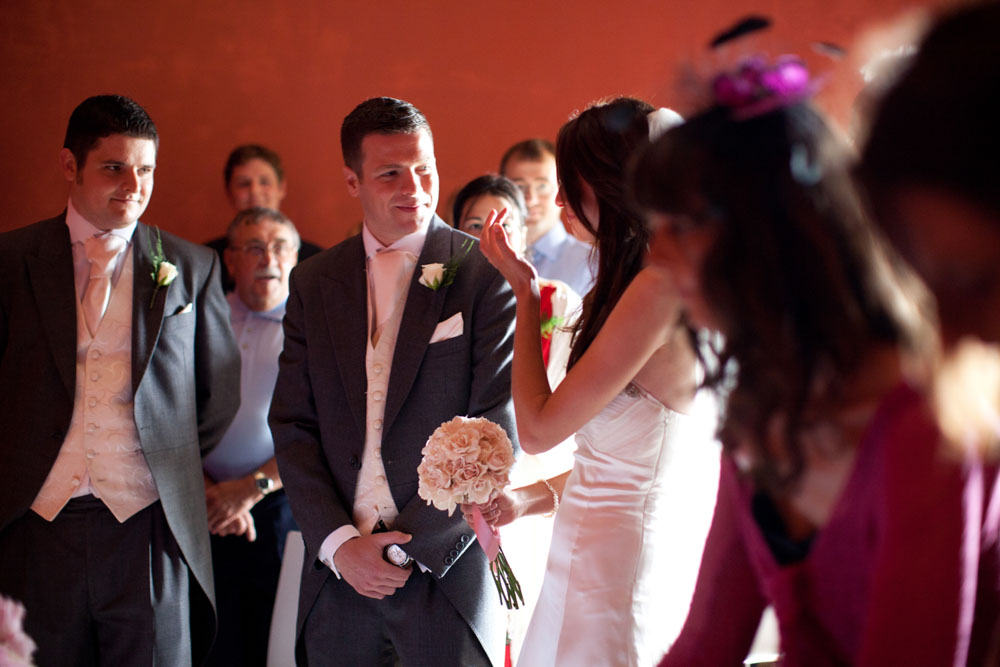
[102,443]
[373,499]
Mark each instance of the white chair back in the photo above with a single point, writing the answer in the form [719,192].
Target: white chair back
[281,642]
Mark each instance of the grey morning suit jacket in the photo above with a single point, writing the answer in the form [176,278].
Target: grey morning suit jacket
[318,411]
[185,378]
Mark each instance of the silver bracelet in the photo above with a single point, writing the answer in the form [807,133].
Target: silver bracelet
[555,499]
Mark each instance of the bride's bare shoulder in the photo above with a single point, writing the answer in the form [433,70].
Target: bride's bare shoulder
[651,288]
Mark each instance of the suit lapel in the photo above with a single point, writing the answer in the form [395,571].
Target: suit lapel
[420,316]
[146,319]
[346,311]
[54,289]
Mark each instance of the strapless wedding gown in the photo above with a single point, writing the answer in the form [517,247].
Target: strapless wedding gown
[627,539]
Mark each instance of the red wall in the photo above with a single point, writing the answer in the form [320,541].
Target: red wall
[217,73]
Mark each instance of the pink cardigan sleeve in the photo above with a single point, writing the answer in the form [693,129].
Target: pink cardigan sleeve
[925,570]
[727,604]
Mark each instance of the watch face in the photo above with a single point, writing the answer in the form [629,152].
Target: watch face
[397,556]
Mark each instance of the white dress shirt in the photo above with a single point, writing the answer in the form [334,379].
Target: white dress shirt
[80,229]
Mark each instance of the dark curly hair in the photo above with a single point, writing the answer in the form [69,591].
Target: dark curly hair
[800,283]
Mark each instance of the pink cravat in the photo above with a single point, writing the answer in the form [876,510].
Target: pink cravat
[388,273]
[101,253]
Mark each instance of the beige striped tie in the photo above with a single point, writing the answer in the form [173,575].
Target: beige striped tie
[388,269]
[101,253]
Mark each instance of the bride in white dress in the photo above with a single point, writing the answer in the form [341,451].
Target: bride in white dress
[635,509]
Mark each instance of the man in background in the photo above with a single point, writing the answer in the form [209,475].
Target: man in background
[248,511]
[254,176]
[531,164]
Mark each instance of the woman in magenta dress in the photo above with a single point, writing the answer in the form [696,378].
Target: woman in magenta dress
[835,504]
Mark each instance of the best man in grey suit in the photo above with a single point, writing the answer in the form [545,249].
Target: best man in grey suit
[112,386]
[373,362]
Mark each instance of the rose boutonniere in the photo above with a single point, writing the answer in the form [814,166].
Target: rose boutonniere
[163,271]
[437,275]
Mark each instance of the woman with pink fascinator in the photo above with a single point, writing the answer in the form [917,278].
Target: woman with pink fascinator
[836,506]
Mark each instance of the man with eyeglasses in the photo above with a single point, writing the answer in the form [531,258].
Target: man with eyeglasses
[248,513]
[531,164]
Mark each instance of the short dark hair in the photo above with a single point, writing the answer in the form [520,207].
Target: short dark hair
[530,150]
[243,154]
[255,215]
[937,125]
[378,115]
[490,184]
[101,116]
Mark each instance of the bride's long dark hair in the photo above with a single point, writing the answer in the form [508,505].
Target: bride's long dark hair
[594,148]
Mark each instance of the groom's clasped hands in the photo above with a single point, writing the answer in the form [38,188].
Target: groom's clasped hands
[359,561]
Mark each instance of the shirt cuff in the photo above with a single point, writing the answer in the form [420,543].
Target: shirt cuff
[423,568]
[328,549]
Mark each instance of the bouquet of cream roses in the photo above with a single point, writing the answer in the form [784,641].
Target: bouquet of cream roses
[16,647]
[468,460]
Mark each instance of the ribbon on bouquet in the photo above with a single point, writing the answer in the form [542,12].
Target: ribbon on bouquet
[488,536]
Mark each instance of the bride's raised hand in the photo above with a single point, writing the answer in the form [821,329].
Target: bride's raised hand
[495,246]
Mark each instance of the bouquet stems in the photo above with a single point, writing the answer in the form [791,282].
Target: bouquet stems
[507,585]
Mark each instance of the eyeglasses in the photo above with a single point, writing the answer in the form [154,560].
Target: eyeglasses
[280,249]
[540,188]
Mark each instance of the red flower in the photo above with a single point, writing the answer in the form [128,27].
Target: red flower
[549,323]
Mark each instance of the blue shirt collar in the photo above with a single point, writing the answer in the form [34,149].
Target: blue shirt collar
[548,245]
[241,312]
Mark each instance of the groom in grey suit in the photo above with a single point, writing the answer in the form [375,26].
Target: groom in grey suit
[107,410]
[374,361]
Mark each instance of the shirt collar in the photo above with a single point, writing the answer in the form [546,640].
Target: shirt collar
[81,229]
[549,243]
[241,312]
[411,243]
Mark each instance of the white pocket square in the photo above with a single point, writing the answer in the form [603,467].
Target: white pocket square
[186,309]
[449,328]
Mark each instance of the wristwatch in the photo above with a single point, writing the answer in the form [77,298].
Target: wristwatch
[395,555]
[264,483]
